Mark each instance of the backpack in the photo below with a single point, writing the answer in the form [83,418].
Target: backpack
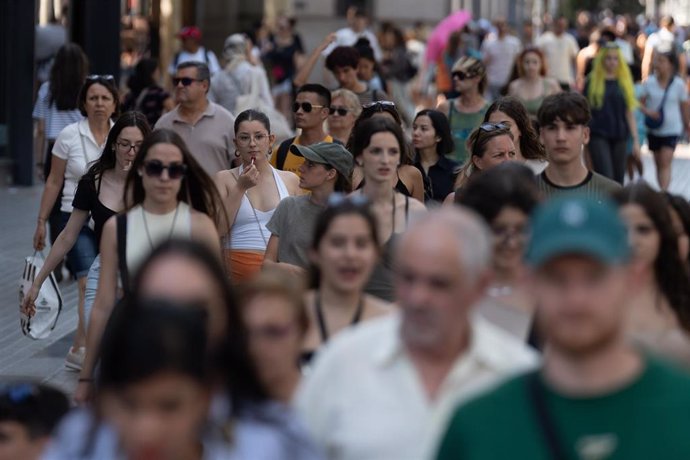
[282,152]
[176,59]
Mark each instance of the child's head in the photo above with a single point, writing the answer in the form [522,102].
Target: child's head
[28,415]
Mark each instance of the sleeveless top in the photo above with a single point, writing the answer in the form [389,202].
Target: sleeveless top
[399,187]
[381,281]
[145,231]
[461,126]
[249,231]
[532,105]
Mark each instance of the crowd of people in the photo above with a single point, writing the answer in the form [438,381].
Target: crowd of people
[473,279]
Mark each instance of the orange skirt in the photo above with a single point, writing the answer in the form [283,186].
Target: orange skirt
[243,265]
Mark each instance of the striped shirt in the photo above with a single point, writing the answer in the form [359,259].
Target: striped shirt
[55,120]
[594,186]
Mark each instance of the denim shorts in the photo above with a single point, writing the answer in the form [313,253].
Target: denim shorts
[91,287]
[84,251]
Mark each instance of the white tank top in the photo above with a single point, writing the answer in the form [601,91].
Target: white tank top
[249,231]
[145,231]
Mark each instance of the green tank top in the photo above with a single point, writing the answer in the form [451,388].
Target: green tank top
[532,105]
[461,125]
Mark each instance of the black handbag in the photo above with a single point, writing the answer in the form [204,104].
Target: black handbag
[655,123]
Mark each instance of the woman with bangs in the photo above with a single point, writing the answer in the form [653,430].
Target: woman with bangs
[611,95]
[533,85]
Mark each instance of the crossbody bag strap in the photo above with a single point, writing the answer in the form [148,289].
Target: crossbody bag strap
[546,423]
[121,232]
[663,98]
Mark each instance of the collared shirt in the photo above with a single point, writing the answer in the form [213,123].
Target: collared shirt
[441,178]
[364,398]
[209,140]
[78,147]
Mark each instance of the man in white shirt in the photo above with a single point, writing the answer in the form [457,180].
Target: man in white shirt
[385,389]
[662,41]
[191,50]
[560,49]
[498,54]
[358,26]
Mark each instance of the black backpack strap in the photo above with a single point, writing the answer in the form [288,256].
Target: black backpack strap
[176,59]
[121,232]
[547,425]
[206,56]
[282,152]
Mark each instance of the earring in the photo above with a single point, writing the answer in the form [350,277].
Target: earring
[237,154]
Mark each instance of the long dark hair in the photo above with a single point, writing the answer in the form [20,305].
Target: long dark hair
[670,273]
[530,147]
[232,357]
[361,135]
[681,206]
[107,159]
[67,76]
[324,222]
[142,77]
[442,128]
[197,188]
[406,151]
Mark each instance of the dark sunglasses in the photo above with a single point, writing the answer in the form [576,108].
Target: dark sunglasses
[342,111]
[155,168]
[379,104]
[95,77]
[306,106]
[491,127]
[460,75]
[186,81]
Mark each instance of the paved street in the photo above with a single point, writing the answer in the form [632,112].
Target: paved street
[22,357]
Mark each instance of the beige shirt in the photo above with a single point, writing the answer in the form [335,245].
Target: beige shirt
[363,398]
[209,140]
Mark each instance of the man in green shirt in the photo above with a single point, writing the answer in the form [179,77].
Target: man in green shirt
[596,397]
[564,130]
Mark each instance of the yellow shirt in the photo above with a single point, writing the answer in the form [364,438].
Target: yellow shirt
[292,161]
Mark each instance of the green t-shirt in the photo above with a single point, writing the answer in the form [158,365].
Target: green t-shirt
[594,186]
[648,419]
[461,126]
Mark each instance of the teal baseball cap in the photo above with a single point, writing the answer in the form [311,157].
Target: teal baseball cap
[578,224]
[327,153]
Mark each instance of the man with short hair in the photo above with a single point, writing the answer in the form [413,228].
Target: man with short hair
[343,63]
[206,127]
[595,397]
[311,107]
[663,41]
[498,54]
[560,49]
[384,389]
[191,50]
[564,130]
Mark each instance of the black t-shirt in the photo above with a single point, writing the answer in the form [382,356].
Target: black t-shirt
[86,199]
[440,181]
[609,120]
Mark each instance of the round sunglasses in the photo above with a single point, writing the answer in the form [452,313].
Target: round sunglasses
[155,168]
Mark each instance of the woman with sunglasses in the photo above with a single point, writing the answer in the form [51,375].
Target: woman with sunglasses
[379,144]
[345,108]
[167,194]
[98,196]
[250,193]
[432,141]
[408,179]
[327,168]
[532,84]
[343,254]
[76,148]
[466,111]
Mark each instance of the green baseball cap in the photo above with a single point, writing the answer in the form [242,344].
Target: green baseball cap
[576,224]
[327,153]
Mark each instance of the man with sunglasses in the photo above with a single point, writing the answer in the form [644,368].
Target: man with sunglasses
[595,396]
[564,130]
[206,127]
[311,107]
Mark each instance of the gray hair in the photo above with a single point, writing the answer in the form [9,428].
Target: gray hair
[351,99]
[472,235]
[202,71]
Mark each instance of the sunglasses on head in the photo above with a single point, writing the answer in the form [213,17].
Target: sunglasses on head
[490,127]
[460,75]
[306,106]
[379,104]
[336,199]
[342,111]
[95,77]
[186,81]
[155,168]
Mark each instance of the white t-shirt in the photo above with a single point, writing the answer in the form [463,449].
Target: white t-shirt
[662,41]
[348,37]
[560,53]
[200,56]
[499,55]
[79,155]
[673,118]
[55,120]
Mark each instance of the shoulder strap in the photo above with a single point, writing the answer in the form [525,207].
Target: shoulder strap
[546,423]
[663,99]
[206,56]
[121,232]
[176,59]
[282,152]
[407,208]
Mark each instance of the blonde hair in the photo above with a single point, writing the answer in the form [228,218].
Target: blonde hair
[597,79]
[474,68]
[351,100]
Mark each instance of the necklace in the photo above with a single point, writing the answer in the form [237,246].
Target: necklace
[146,225]
[322,320]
